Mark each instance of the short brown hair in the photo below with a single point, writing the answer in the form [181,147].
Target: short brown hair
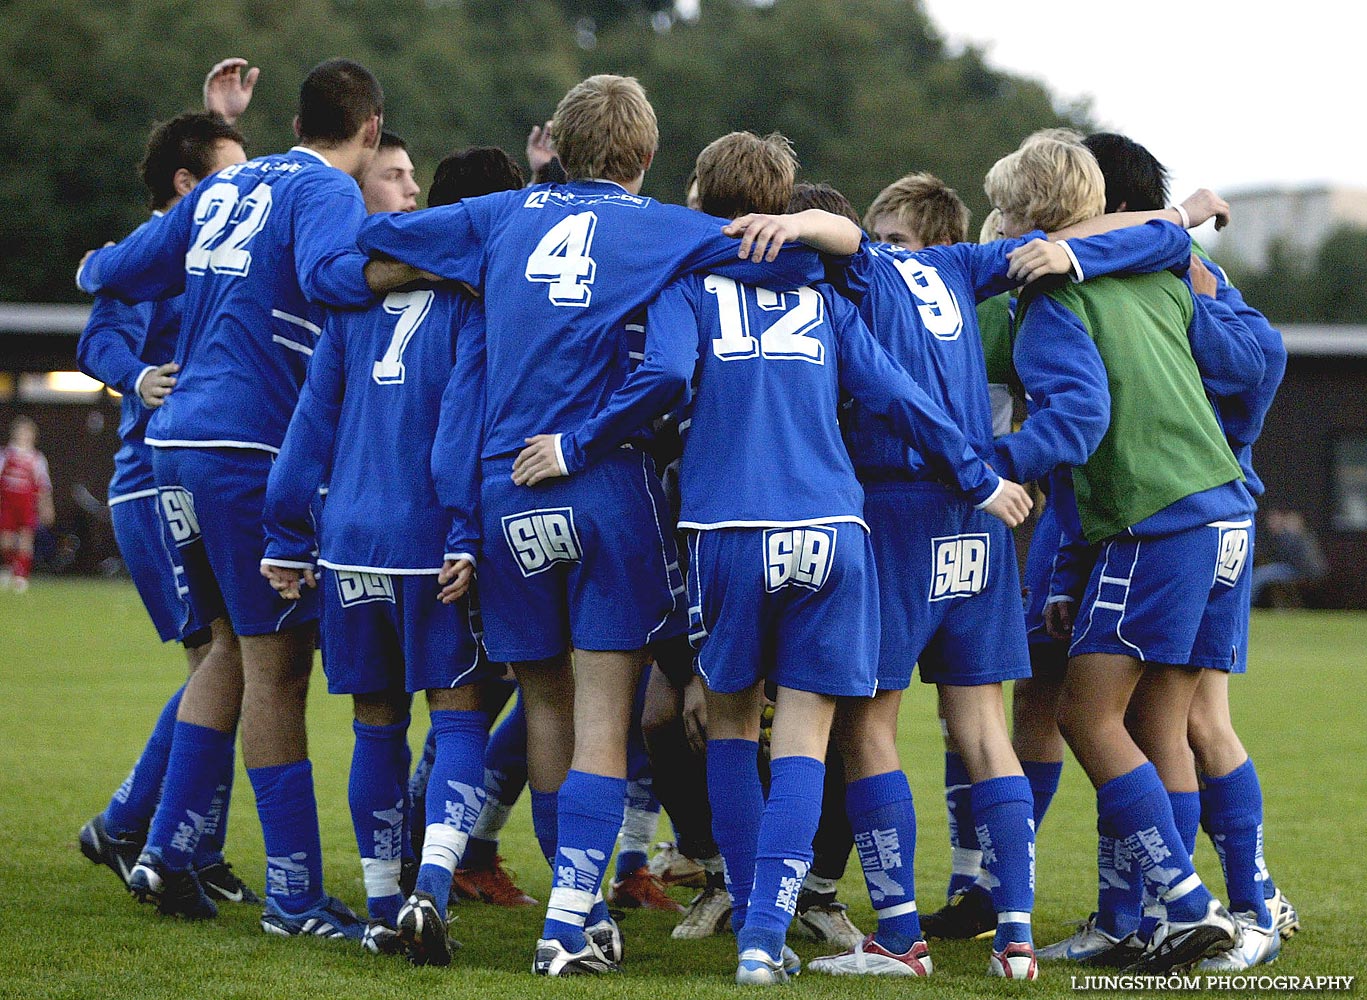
[742,173]
[808,195]
[1049,183]
[926,205]
[605,128]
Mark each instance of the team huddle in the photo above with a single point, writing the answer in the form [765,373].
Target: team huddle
[700,487]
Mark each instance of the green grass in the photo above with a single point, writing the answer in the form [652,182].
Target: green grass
[82,678]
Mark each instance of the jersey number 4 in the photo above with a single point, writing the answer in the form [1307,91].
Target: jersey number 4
[785,339]
[220,207]
[562,260]
[411,308]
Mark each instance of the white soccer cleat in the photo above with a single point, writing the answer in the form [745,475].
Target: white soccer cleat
[1257,946]
[708,914]
[672,867]
[1015,961]
[553,959]
[1284,915]
[606,937]
[820,917]
[1093,946]
[756,968]
[869,958]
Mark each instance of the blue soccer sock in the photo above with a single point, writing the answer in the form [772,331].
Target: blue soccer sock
[1043,776]
[289,826]
[1137,806]
[641,815]
[1232,810]
[211,841]
[505,775]
[884,825]
[131,808]
[376,794]
[1186,815]
[1003,808]
[193,769]
[965,855]
[783,854]
[589,817]
[1120,886]
[546,822]
[455,795]
[737,799]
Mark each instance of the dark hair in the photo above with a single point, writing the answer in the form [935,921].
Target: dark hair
[388,140]
[471,173]
[807,195]
[336,99]
[187,141]
[1134,177]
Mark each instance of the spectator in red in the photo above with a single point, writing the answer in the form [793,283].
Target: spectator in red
[25,501]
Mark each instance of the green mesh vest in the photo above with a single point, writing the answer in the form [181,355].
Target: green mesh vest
[1164,442]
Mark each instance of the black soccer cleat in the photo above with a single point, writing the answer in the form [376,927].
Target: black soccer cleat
[968,914]
[102,848]
[220,882]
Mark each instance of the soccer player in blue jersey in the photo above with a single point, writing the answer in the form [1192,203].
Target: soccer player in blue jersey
[259,249]
[1103,361]
[781,574]
[130,348]
[1230,800]
[372,400]
[587,564]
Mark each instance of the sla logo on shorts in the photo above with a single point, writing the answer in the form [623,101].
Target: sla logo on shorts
[363,588]
[800,556]
[541,538]
[178,507]
[1233,552]
[958,566]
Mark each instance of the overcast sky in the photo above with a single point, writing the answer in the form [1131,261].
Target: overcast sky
[1227,95]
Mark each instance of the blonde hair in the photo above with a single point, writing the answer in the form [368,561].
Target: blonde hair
[1048,183]
[605,128]
[991,228]
[742,173]
[927,206]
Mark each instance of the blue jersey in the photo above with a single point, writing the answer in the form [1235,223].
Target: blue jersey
[365,424]
[921,306]
[259,249]
[762,441]
[119,345]
[563,269]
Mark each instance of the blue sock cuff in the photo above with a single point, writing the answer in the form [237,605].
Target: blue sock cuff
[956,772]
[596,796]
[365,731]
[201,737]
[1240,773]
[447,721]
[796,768]
[1120,792]
[1042,770]
[876,791]
[265,780]
[726,754]
[995,791]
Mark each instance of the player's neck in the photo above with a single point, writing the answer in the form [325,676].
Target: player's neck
[350,158]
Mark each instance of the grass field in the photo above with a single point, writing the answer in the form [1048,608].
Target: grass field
[83,678]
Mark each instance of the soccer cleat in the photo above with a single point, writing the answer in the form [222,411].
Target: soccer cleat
[1176,946]
[606,937]
[423,931]
[672,867]
[221,882]
[174,893]
[1284,916]
[553,959]
[1093,946]
[791,963]
[103,848]
[756,968]
[709,913]
[643,891]
[408,876]
[968,914]
[381,939]
[331,918]
[820,917]
[494,886]
[1015,961]
[1257,945]
[869,958]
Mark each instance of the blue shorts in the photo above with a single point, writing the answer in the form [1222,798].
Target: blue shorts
[949,589]
[1177,599]
[211,500]
[587,561]
[795,606]
[382,629]
[1048,656]
[153,562]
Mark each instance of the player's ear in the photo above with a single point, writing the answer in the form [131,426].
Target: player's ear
[184,182]
[1124,206]
[373,128]
[650,158]
[297,133]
